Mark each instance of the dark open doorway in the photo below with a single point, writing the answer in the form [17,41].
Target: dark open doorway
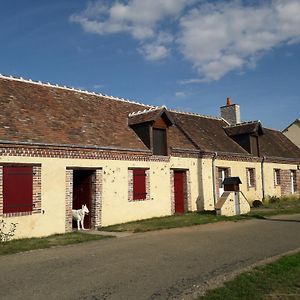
[83,193]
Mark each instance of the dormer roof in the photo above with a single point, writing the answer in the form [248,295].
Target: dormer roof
[150,115]
[253,128]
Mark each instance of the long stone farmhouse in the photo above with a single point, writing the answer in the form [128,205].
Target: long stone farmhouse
[61,148]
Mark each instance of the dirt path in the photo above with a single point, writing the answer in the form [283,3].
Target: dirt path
[155,265]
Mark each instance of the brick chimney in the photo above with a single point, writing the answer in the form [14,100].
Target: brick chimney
[231,112]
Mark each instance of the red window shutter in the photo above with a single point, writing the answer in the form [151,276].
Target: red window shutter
[17,189]
[139,184]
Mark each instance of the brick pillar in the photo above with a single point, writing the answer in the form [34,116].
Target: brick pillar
[188,191]
[1,190]
[97,199]
[172,192]
[285,182]
[69,200]
[37,197]
[297,188]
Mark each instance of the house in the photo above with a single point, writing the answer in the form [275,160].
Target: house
[61,147]
[293,132]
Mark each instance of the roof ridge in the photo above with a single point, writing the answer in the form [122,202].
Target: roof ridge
[48,84]
[272,129]
[244,123]
[140,112]
[195,114]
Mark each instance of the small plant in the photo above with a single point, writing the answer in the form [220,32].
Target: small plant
[274,199]
[6,234]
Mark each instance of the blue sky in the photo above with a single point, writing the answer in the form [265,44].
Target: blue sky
[187,54]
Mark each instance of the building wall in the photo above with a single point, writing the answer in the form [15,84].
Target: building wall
[293,133]
[239,168]
[115,206]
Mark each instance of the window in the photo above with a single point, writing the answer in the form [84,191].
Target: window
[17,189]
[138,184]
[251,177]
[293,181]
[276,176]
[222,174]
[159,141]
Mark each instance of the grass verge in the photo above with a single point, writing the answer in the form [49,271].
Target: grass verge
[277,280]
[21,245]
[182,220]
[275,206]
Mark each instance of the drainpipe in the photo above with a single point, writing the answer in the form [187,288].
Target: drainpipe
[213,175]
[262,177]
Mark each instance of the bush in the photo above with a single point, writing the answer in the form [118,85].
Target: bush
[6,234]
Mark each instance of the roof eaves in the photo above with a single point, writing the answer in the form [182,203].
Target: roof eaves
[295,122]
[94,147]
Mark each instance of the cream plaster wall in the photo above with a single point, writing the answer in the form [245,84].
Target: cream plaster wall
[238,168]
[115,205]
[206,184]
[270,188]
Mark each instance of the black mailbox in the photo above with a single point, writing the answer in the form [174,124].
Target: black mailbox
[232,184]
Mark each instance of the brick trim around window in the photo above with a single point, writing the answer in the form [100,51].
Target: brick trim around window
[217,179]
[187,191]
[36,192]
[277,177]
[251,178]
[131,182]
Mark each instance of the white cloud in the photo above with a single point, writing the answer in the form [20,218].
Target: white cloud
[216,37]
[154,51]
[139,18]
[98,86]
[222,37]
[192,80]
[181,94]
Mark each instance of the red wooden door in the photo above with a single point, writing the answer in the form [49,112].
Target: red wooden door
[82,193]
[179,191]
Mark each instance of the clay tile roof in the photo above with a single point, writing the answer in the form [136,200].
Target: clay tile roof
[275,143]
[207,133]
[149,115]
[32,112]
[38,113]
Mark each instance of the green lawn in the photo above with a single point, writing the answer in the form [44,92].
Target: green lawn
[182,220]
[278,280]
[275,206]
[21,245]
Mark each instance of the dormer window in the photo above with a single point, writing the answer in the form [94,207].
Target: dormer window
[152,128]
[246,135]
[159,141]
